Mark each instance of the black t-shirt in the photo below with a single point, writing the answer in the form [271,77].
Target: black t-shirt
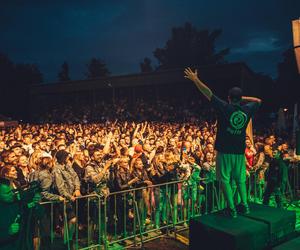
[232,123]
[275,170]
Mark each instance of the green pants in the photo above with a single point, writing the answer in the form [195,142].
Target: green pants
[231,166]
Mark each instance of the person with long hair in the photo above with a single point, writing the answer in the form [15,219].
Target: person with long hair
[10,173]
[23,170]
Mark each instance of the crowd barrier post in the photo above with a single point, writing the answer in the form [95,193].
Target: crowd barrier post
[100,228]
[51,223]
[138,219]
[255,187]
[77,225]
[105,223]
[206,195]
[88,222]
[216,196]
[66,227]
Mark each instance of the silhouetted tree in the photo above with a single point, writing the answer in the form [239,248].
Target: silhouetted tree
[6,66]
[288,81]
[28,74]
[25,76]
[146,65]
[96,68]
[15,85]
[7,78]
[63,74]
[190,47]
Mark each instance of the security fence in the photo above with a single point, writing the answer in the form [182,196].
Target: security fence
[132,217]
[129,217]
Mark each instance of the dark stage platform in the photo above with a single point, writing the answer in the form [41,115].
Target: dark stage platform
[263,228]
[290,245]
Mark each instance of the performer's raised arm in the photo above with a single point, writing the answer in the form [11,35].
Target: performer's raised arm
[193,76]
[251,99]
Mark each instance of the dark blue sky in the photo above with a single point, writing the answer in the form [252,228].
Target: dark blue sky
[123,32]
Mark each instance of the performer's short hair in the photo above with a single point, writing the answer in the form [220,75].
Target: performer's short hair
[235,94]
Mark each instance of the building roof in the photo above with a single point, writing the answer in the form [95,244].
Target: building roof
[238,71]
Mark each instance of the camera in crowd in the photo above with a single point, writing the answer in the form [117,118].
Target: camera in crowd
[26,193]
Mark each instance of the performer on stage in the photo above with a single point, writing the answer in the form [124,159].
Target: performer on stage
[230,142]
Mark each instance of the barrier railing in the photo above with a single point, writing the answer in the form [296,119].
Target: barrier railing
[134,216]
[131,215]
[157,209]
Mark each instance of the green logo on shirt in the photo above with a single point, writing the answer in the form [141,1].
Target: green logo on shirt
[238,119]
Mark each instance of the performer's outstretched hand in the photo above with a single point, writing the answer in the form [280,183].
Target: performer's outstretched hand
[193,76]
[189,74]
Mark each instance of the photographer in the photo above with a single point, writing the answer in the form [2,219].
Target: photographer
[16,230]
[10,223]
[285,163]
[274,177]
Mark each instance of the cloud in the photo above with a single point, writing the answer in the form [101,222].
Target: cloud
[260,44]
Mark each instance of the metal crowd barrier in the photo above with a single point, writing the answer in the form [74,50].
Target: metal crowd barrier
[169,205]
[121,217]
[132,217]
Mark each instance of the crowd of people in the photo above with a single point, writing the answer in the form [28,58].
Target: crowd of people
[124,109]
[72,160]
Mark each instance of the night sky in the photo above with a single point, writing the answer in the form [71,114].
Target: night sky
[123,32]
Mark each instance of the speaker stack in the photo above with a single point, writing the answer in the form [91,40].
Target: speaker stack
[264,228]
